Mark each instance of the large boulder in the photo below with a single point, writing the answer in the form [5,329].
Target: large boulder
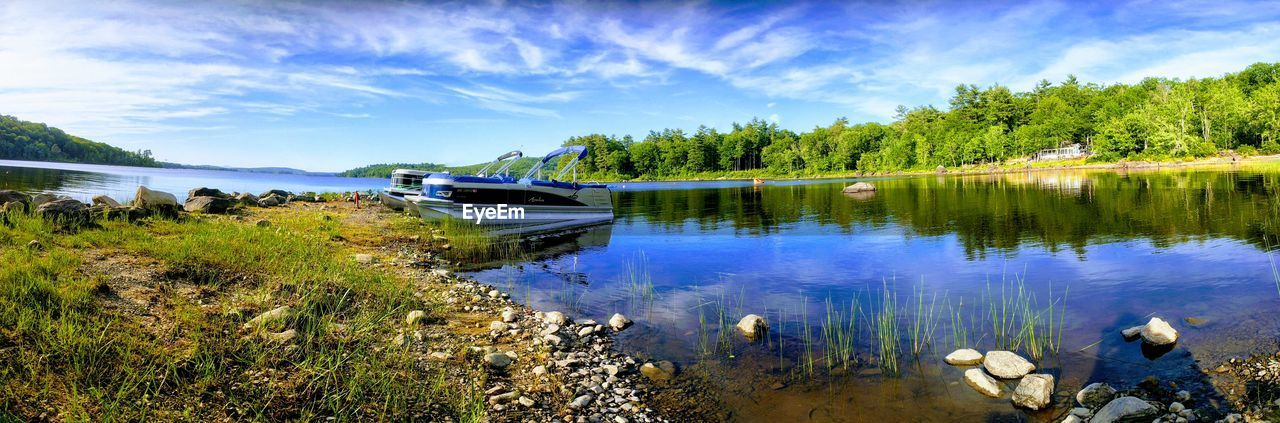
[964,357]
[155,201]
[1034,391]
[1125,410]
[272,201]
[207,192]
[1006,365]
[279,192]
[1159,332]
[753,326]
[979,381]
[38,199]
[11,196]
[859,187]
[247,199]
[1095,395]
[64,211]
[102,200]
[207,204]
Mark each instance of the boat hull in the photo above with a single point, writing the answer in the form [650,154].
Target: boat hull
[393,202]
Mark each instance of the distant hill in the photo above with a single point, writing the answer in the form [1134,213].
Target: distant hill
[274,170]
[384,170]
[22,140]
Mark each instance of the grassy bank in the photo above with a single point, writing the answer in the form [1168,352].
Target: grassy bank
[146,320]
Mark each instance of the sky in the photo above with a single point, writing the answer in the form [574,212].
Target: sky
[328,85]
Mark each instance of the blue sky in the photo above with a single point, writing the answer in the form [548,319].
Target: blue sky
[332,85]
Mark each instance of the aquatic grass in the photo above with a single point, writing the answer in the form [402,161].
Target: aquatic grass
[959,327]
[840,334]
[885,327]
[1275,274]
[1018,322]
[923,321]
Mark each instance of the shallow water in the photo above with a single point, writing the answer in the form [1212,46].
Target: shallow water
[83,182]
[1114,248]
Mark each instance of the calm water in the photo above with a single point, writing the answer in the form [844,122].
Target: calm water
[1119,247]
[82,182]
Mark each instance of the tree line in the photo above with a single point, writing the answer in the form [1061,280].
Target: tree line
[22,140]
[1155,119]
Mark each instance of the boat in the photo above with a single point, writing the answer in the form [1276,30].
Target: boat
[403,182]
[409,181]
[528,204]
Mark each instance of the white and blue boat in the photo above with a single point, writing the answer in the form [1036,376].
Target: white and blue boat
[530,202]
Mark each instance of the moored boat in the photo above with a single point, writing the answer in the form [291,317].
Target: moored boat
[498,199]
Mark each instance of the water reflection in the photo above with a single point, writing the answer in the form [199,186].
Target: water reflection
[1178,244]
[83,182]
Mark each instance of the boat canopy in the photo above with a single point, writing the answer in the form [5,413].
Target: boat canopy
[579,151]
[514,155]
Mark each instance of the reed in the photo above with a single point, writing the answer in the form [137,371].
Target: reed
[959,327]
[924,322]
[1275,274]
[807,364]
[885,323]
[1019,322]
[638,279]
[840,334]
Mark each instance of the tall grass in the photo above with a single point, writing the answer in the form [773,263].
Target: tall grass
[923,321]
[1018,321]
[885,323]
[840,334]
[80,347]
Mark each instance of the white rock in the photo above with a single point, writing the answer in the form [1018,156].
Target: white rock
[859,187]
[753,326]
[581,402]
[102,200]
[152,200]
[964,357]
[268,317]
[364,258]
[497,326]
[1006,365]
[414,317]
[982,383]
[1034,391]
[555,318]
[526,401]
[551,339]
[1125,409]
[498,360]
[1158,332]
[619,322]
[1132,332]
[540,370]
[508,316]
[281,337]
[586,331]
[1072,419]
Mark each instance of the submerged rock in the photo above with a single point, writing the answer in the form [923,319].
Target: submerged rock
[1006,365]
[1034,391]
[660,372]
[1095,395]
[1159,332]
[964,357]
[979,381]
[1132,332]
[753,326]
[859,187]
[619,322]
[1125,409]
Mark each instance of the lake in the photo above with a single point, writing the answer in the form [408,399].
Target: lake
[82,181]
[1075,256]
[1092,252]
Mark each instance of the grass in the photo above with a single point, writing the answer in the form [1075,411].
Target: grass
[840,334]
[72,345]
[923,321]
[886,331]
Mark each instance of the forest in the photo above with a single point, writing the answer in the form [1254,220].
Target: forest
[1155,119]
[22,140]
